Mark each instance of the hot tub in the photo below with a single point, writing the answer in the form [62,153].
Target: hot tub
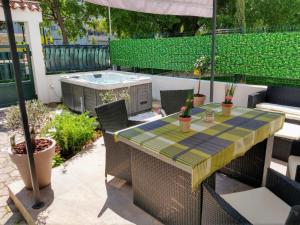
[82,91]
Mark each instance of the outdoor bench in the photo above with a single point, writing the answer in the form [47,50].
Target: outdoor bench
[285,100]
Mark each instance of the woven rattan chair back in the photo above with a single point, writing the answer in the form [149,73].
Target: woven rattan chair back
[173,100]
[112,116]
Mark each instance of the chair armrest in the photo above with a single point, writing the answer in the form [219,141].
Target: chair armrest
[284,187]
[134,123]
[163,113]
[108,137]
[215,210]
[109,133]
[256,98]
[294,216]
[295,148]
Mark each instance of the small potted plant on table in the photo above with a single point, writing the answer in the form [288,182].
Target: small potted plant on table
[200,67]
[228,104]
[44,148]
[185,118]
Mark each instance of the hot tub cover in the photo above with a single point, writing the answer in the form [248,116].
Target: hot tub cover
[199,8]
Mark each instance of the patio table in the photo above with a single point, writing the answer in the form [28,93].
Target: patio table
[168,165]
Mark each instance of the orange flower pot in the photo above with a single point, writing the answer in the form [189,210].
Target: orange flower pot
[199,100]
[43,165]
[226,109]
[185,123]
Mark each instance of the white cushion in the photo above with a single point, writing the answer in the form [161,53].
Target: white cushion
[293,162]
[290,111]
[259,206]
[145,117]
[289,131]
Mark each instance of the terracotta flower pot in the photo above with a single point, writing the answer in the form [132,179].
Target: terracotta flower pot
[185,123]
[226,109]
[199,100]
[43,165]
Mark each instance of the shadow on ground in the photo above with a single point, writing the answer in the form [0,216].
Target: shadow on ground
[118,197]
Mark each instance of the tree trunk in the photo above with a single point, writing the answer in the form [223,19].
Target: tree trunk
[59,20]
[63,31]
[240,15]
[190,24]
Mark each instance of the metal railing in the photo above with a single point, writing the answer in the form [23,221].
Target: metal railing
[75,58]
[6,67]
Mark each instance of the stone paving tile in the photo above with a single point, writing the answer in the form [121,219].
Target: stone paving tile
[9,215]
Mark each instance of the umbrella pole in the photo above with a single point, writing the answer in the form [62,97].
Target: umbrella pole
[109,21]
[213,50]
[16,67]
[109,36]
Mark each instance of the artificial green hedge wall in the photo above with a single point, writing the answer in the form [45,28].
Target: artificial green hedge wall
[265,54]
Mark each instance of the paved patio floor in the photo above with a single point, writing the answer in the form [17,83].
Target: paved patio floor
[9,215]
[80,195]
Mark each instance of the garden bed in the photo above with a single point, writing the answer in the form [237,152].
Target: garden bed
[71,132]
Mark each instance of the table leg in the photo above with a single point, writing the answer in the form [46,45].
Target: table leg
[268,158]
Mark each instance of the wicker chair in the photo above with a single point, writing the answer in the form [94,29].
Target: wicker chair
[248,168]
[173,100]
[293,170]
[216,210]
[113,117]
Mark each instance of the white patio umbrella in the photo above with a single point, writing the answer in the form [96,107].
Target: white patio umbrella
[199,8]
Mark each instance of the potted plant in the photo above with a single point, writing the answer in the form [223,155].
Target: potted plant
[200,67]
[227,104]
[44,148]
[185,117]
[115,95]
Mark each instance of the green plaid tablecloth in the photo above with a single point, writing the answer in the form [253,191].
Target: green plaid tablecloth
[208,146]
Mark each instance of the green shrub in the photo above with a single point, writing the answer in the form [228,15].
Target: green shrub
[71,132]
[38,117]
[57,160]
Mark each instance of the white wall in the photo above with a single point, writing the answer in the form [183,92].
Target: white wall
[31,20]
[172,83]
[54,88]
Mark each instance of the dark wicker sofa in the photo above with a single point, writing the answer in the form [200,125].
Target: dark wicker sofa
[216,210]
[276,95]
[284,96]
[285,100]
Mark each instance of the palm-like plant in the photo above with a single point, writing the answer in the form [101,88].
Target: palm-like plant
[229,92]
[201,66]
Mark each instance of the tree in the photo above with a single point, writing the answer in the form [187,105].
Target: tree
[136,24]
[130,24]
[272,13]
[72,16]
[240,14]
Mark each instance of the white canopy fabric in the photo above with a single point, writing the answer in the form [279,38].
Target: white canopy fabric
[199,8]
